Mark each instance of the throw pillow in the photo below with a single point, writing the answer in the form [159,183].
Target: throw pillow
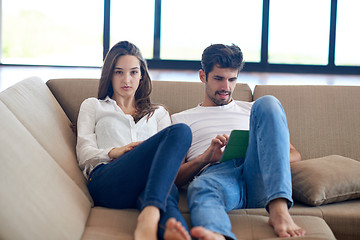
[325,180]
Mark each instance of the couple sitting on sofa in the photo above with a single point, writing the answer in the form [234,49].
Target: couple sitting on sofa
[132,154]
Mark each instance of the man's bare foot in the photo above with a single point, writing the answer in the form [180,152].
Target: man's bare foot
[147,224]
[175,231]
[205,234]
[281,220]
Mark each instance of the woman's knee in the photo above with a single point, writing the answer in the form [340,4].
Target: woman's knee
[182,130]
[181,127]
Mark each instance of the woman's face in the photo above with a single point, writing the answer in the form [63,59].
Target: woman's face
[126,76]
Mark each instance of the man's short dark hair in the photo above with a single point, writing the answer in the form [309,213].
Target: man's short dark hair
[222,56]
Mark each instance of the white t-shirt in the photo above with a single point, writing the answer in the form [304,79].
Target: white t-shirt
[208,122]
[102,125]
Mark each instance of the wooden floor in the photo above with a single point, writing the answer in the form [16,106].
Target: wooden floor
[9,75]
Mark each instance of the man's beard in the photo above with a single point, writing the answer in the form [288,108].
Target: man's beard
[220,102]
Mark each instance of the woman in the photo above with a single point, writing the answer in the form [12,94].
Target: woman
[127,149]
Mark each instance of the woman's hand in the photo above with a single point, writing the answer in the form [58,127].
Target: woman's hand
[117,152]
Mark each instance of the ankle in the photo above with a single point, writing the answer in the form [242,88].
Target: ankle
[279,205]
[147,223]
[149,213]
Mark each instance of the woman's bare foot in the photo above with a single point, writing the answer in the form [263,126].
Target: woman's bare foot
[205,234]
[147,224]
[175,231]
[281,221]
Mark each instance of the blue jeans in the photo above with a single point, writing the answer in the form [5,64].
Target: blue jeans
[263,175]
[145,175]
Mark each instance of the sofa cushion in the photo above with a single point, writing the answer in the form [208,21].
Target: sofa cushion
[105,223]
[36,108]
[38,200]
[343,218]
[250,227]
[176,96]
[120,224]
[326,180]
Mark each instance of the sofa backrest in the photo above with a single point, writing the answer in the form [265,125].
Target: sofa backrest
[41,184]
[179,96]
[176,96]
[323,120]
[70,93]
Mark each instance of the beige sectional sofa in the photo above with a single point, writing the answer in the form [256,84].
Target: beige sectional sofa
[43,194]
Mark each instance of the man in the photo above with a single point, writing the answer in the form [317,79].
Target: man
[262,179]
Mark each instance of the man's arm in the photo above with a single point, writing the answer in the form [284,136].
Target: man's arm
[188,170]
[294,154]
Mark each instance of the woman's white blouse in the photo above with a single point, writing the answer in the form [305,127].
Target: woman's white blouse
[102,126]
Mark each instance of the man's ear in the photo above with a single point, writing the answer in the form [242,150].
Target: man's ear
[202,75]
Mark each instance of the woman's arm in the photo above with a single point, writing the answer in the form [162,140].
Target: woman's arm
[87,148]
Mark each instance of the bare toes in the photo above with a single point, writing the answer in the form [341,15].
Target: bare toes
[175,231]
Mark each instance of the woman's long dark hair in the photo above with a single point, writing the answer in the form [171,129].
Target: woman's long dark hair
[143,104]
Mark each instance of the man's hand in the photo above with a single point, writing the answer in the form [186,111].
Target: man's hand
[214,151]
[117,152]
[212,154]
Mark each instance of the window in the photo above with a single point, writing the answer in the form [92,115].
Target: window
[299,31]
[188,27]
[347,50]
[52,32]
[133,21]
[296,36]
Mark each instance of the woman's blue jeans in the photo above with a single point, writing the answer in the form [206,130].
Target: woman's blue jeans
[145,175]
[263,175]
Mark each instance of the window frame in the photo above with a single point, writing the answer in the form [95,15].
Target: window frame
[262,66]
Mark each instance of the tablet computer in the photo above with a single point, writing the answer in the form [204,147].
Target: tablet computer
[236,146]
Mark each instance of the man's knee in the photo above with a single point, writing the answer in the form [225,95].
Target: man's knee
[268,105]
[267,102]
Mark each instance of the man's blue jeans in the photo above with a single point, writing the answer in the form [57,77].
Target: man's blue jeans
[263,175]
[145,175]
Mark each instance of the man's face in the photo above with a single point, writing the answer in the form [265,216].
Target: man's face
[219,86]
